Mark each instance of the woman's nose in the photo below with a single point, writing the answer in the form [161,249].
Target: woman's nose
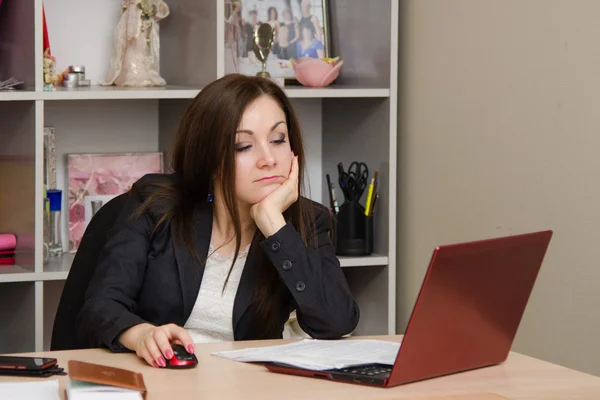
[266,157]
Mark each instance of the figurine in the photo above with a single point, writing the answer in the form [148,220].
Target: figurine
[50,77]
[135,60]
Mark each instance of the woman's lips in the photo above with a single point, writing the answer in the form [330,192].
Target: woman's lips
[269,178]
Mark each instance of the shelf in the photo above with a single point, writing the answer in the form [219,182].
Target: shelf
[58,268]
[374,260]
[180,92]
[17,95]
[15,273]
[336,92]
[123,93]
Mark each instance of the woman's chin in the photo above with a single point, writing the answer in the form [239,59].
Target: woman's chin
[262,193]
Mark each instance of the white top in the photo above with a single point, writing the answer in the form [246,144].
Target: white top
[211,319]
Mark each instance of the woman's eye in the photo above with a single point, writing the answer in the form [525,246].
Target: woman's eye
[242,148]
[279,141]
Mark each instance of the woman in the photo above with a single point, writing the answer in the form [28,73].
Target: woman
[310,20]
[309,46]
[293,34]
[224,248]
[273,20]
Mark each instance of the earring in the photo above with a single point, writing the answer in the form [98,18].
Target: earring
[210,192]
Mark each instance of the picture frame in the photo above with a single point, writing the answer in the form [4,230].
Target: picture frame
[94,179]
[300,27]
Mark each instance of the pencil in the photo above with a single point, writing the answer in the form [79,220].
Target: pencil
[369,197]
[374,203]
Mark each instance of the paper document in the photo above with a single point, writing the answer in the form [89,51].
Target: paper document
[320,355]
[44,390]
[77,390]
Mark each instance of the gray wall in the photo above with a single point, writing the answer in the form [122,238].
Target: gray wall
[499,133]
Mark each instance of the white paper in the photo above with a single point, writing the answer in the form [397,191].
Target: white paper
[320,355]
[43,390]
[90,391]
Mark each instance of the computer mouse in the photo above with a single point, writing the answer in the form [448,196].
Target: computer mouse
[181,358]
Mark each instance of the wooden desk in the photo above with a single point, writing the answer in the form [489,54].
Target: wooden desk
[520,377]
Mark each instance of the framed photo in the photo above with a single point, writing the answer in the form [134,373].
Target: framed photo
[300,30]
[94,179]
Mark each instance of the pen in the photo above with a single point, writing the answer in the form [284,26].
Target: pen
[332,200]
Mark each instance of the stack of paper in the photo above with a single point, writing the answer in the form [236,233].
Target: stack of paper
[43,390]
[319,355]
[79,390]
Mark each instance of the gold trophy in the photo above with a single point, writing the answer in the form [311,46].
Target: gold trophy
[263,40]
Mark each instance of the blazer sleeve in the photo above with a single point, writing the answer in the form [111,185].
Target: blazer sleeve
[325,307]
[110,305]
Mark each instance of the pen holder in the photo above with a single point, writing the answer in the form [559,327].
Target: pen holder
[354,231]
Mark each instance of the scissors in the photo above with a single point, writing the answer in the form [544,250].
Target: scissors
[354,182]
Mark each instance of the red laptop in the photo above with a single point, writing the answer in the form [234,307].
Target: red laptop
[466,315]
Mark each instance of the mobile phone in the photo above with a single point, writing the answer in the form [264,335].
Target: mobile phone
[9,363]
[43,373]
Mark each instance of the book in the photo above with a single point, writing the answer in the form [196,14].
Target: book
[94,381]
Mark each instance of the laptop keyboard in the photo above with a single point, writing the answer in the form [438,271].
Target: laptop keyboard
[368,370]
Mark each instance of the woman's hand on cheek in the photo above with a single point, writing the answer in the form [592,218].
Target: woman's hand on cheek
[268,214]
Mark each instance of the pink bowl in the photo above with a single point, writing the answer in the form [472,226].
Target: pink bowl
[313,72]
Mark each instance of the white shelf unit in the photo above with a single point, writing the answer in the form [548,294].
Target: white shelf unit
[353,119]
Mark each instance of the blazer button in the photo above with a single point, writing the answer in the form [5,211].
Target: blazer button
[275,246]
[300,286]
[286,265]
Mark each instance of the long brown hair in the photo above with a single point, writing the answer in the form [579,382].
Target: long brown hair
[204,148]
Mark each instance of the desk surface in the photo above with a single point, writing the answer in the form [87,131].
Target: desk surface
[520,377]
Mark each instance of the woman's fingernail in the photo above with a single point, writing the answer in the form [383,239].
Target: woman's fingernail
[161,362]
[155,364]
[169,354]
[190,348]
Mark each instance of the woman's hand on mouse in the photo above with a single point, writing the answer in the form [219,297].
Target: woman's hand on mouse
[153,343]
[268,213]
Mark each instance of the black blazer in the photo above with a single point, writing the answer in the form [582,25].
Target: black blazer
[156,280]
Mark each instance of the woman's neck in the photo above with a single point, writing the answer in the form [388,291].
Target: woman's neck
[223,228]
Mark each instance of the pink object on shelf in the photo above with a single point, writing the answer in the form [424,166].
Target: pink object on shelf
[8,241]
[7,261]
[314,72]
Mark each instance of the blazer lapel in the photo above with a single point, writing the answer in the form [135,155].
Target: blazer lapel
[248,281]
[190,272]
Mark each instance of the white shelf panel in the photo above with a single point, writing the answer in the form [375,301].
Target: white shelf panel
[58,268]
[15,273]
[336,92]
[122,93]
[17,95]
[374,260]
[181,92]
